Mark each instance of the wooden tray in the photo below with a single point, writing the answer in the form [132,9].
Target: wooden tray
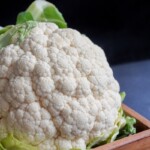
[138,141]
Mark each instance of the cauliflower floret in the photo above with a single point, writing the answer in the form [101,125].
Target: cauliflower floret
[57,90]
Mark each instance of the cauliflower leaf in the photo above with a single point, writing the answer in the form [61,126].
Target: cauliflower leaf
[15,33]
[1,147]
[24,17]
[11,143]
[42,11]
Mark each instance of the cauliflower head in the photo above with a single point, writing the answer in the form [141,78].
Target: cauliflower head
[57,90]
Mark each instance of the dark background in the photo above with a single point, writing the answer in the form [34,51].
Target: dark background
[120,27]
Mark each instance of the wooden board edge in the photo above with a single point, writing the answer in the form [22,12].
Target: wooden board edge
[127,140]
[142,144]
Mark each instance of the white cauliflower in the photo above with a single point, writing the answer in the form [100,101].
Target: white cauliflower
[57,90]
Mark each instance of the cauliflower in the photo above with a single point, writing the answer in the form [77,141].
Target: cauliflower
[57,90]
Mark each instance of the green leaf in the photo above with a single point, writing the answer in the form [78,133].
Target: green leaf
[24,29]
[1,147]
[95,142]
[11,143]
[51,14]
[129,127]
[42,11]
[5,39]
[123,95]
[17,33]
[24,17]
[92,143]
[5,29]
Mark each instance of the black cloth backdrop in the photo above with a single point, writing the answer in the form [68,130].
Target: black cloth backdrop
[121,28]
